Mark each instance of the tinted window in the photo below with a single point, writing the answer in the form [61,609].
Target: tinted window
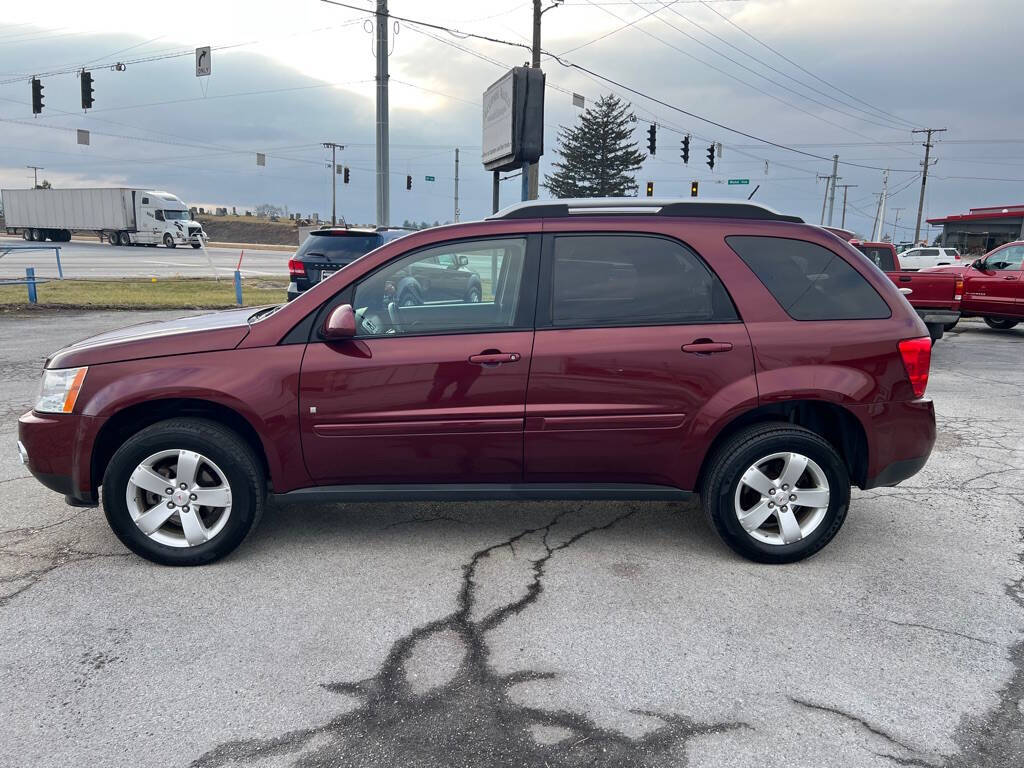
[338,247]
[1008,258]
[809,282]
[456,288]
[929,252]
[630,280]
[881,256]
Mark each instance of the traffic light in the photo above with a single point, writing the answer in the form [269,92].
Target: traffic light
[650,189]
[652,138]
[85,80]
[408,182]
[693,188]
[685,154]
[344,175]
[37,96]
[711,157]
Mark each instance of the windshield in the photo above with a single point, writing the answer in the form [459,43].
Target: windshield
[176,215]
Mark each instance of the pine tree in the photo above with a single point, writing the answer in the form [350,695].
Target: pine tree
[598,157]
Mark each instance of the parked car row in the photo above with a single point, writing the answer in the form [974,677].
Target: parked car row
[991,287]
[620,348]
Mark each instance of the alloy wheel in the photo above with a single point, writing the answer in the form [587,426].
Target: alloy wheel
[781,498]
[179,498]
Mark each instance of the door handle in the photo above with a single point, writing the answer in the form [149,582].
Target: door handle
[706,347]
[494,358]
[904,279]
[1009,277]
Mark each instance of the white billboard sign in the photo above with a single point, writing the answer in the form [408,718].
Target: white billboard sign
[498,115]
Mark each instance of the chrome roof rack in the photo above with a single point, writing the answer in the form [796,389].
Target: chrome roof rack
[641,206]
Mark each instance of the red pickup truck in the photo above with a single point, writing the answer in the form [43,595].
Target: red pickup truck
[994,286]
[936,296]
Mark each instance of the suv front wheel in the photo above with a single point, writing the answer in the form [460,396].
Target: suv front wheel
[776,493]
[183,492]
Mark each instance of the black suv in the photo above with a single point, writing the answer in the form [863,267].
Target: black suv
[327,250]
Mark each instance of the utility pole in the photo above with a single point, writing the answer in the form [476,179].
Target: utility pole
[533,180]
[334,179]
[876,231]
[456,184]
[845,188]
[824,200]
[832,194]
[383,147]
[895,221]
[35,174]
[924,175]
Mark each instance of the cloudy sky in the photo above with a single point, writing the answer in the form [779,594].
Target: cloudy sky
[822,77]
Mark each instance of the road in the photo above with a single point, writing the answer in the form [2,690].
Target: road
[93,259]
[529,634]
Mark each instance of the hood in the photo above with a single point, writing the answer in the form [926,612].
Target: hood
[186,335]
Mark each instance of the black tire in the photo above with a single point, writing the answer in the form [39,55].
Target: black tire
[123,238]
[242,470]
[949,326]
[474,294]
[26,234]
[998,324]
[38,236]
[112,238]
[742,451]
[196,245]
[169,241]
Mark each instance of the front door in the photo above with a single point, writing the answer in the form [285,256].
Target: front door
[635,335]
[995,288]
[429,392]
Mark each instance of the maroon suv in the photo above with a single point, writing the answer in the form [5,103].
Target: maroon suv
[620,349]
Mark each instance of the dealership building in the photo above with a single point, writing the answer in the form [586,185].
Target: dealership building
[982,229]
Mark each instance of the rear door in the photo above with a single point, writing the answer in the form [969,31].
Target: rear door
[428,393]
[634,335]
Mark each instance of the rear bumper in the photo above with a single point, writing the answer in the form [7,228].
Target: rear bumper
[933,316]
[52,446]
[900,437]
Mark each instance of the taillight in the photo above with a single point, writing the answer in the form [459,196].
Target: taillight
[958,291]
[917,359]
[956,256]
[296,268]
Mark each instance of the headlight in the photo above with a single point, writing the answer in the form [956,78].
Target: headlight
[60,390]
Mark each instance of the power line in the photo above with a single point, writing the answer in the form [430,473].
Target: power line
[801,68]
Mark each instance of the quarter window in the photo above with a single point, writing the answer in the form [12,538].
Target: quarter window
[810,282]
[454,288]
[632,280]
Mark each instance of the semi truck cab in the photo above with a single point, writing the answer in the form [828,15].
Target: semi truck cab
[164,218]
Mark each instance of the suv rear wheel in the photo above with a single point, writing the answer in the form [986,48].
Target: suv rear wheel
[183,492]
[776,493]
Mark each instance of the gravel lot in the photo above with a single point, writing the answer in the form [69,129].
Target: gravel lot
[555,634]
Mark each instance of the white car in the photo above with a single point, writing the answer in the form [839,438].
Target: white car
[923,257]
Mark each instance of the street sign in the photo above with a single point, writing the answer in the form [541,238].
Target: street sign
[429,178]
[739,181]
[203,61]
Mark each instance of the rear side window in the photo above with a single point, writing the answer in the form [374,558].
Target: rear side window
[810,282]
[881,256]
[633,280]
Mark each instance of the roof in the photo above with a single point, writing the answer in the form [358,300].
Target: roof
[981,214]
[639,206]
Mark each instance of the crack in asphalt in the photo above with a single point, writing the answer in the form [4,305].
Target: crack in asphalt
[997,739]
[876,730]
[431,519]
[471,718]
[940,630]
[62,556]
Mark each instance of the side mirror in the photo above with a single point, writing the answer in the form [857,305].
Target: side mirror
[978,264]
[462,260]
[340,323]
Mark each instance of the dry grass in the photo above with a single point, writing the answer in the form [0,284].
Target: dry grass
[171,293]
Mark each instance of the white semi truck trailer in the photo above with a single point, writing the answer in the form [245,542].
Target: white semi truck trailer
[119,215]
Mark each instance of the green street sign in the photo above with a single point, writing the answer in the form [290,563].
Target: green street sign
[429,178]
[739,181]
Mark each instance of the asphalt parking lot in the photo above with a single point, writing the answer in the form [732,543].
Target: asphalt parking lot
[554,634]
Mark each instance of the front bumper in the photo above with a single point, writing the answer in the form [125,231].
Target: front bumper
[52,445]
